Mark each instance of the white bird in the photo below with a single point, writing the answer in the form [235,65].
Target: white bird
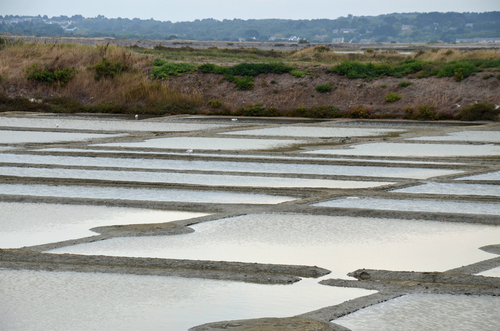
[57,125]
[234,119]
[136,117]
[189,151]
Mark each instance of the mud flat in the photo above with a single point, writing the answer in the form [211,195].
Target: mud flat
[125,172]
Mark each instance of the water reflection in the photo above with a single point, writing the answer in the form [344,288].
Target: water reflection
[64,301]
[340,244]
[228,166]
[418,312]
[121,193]
[28,224]
[414,205]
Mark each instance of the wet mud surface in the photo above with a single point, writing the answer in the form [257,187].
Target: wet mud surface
[388,284]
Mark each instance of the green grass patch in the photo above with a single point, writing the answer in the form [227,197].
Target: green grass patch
[392,97]
[323,88]
[404,84]
[163,69]
[59,76]
[107,69]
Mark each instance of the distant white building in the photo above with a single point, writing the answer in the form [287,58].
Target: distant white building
[365,41]
[479,40]
[469,25]
[337,40]
[294,38]
[406,27]
[347,30]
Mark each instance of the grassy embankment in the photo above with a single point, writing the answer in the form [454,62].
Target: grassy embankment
[76,78]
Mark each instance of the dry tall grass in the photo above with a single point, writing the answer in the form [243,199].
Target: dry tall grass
[130,89]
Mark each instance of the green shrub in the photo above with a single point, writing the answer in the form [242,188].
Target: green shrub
[479,112]
[383,85]
[323,88]
[256,110]
[247,69]
[245,83]
[214,103]
[488,76]
[297,73]
[359,112]
[425,113]
[392,97]
[404,84]
[163,69]
[323,111]
[275,91]
[275,82]
[498,77]
[369,50]
[322,49]
[60,76]
[458,69]
[408,113]
[105,69]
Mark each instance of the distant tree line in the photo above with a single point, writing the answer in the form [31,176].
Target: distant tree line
[404,27]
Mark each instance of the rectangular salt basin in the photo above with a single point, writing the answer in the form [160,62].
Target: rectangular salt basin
[246,156]
[414,205]
[475,136]
[104,125]
[413,150]
[121,193]
[187,178]
[317,131]
[195,143]
[452,189]
[489,176]
[22,137]
[338,243]
[29,224]
[62,301]
[229,166]
[417,312]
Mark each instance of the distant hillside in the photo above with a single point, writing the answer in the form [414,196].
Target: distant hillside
[405,27]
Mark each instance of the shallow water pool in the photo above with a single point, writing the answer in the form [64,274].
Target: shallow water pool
[341,244]
[121,193]
[452,189]
[417,312]
[62,301]
[495,272]
[187,178]
[22,137]
[29,224]
[105,125]
[414,205]
[476,136]
[229,166]
[318,131]
[196,143]
[489,176]
[413,150]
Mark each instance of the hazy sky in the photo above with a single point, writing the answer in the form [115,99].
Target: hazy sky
[189,10]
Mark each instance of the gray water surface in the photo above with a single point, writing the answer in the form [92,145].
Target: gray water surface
[70,301]
[186,178]
[417,312]
[414,205]
[228,166]
[453,189]
[121,193]
[338,243]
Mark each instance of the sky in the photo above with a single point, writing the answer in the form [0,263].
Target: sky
[189,10]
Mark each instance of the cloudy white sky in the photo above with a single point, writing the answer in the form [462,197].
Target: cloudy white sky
[189,10]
